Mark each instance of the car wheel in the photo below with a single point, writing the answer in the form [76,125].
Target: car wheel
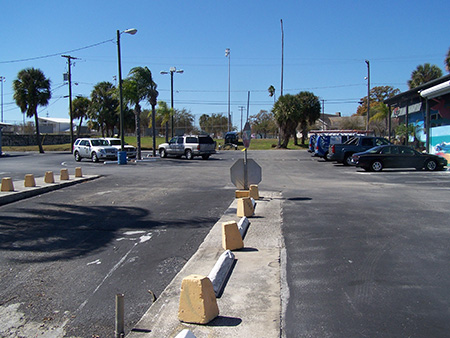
[431,165]
[162,153]
[77,156]
[325,156]
[348,159]
[188,155]
[205,157]
[94,157]
[376,166]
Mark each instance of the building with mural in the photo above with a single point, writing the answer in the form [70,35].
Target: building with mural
[427,109]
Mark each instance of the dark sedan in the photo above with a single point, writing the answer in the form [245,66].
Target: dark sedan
[392,156]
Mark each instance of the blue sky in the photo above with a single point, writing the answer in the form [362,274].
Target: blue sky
[326,43]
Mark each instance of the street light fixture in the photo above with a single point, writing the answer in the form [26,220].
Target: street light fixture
[228,55]
[171,71]
[131,31]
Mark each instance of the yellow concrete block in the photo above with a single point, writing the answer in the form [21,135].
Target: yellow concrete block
[49,178]
[78,172]
[29,180]
[244,207]
[198,303]
[231,237]
[254,191]
[242,193]
[7,184]
[64,174]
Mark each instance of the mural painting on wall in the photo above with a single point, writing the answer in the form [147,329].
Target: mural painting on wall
[440,136]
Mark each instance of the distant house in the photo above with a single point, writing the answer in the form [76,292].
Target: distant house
[54,125]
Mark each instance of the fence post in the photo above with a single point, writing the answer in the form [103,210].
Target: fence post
[120,327]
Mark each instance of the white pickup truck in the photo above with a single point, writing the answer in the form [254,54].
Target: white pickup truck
[189,146]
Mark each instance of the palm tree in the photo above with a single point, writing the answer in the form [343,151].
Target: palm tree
[31,90]
[287,111]
[423,74]
[164,113]
[104,105]
[381,113]
[271,91]
[139,87]
[310,112]
[80,108]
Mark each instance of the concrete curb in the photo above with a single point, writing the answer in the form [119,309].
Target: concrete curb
[251,301]
[220,271]
[20,192]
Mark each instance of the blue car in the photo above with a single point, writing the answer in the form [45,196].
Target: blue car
[323,142]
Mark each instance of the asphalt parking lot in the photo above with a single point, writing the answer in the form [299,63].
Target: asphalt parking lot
[365,253]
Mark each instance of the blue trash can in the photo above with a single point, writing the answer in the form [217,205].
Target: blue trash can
[122,157]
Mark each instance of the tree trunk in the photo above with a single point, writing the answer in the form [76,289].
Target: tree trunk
[137,111]
[38,136]
[79,127]
[154,129]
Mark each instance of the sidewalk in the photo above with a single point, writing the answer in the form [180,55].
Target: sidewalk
[250,305]
[21,192]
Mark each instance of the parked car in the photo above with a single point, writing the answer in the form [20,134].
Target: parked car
[189,146]
[93,148]
[116,143]
[392,156]
[231,137]
[323,143]
[343,152]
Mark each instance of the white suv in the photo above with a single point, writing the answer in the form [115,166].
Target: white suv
[116,143]
[93,148]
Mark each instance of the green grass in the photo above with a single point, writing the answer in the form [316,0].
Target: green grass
[147,142]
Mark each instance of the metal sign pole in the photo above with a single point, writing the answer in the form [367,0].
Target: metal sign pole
[245,170]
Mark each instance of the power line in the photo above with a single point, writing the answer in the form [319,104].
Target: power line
[57,54]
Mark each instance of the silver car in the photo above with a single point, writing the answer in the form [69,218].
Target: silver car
[189,146]
[93,148]
[116,143]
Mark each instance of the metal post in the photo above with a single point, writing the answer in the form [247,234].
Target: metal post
[122,134]
[120,326]
[227,54]
[368,93]
[245,170]
[171,97]
[427,126]
[2,79]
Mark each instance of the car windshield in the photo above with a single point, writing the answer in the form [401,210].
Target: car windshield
[114,142]
[97,143]
[374,150]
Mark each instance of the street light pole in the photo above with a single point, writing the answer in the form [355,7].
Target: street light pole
[171,71]
[228,55]
[368,93]
[131,31]
[2,79]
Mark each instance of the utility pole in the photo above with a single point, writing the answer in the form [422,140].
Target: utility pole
[282,56]
[323,114]
[2,79]
[368,93]
[69,78]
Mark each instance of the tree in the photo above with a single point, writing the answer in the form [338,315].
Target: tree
[263,123]
[216,124]
[423,74]
[184,119]
[139,87]
[377,94]
[287,110]
[31,90]
[381,114]
[447,61]
[309,112]
[104,107]
[80,109]
[164,114]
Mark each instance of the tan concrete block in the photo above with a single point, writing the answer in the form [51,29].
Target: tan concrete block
[29,180]
[49,178]
[231,237]
[254,191]
[242,193]
[78,172]
[244,207]
[7,184]
[198,303]
[64,174]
